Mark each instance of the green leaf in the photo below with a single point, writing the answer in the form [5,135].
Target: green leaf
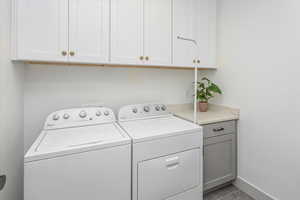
[214,88]
[201,85]
[205,79]
[208,93]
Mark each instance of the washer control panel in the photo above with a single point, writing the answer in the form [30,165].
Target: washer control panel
[140,111]
[79,117]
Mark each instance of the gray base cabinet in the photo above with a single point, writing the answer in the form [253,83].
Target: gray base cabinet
[220,154]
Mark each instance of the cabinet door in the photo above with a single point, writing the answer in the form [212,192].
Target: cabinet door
[41,30]
[89,31]
[206,33]
[157,31]
[219,160]
[126,31]
[185,44]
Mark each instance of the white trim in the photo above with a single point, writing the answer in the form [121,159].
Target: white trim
[252,190]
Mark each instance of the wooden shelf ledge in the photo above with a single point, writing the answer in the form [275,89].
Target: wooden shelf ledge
[116,65]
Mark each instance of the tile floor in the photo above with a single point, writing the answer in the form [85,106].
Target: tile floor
[227,193]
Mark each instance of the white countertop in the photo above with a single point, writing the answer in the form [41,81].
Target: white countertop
[215,113]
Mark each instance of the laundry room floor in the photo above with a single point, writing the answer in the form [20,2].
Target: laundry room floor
[227,193]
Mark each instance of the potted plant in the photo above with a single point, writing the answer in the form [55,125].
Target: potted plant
[205,91]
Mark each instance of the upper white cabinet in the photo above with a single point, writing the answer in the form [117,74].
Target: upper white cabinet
[178,33]
[40,30]
[184,35]
[126,31]
[157,18]
[61,30]
[206,33]
[194,33]
[141,32]
[89,31]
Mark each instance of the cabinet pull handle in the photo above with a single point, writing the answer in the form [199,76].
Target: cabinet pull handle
[64,53]
[172,163]
[147,58]
[141,57]
[218,129]
[72,53]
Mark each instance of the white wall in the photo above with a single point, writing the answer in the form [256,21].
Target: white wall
[49,88]
[11,113]
[259,54]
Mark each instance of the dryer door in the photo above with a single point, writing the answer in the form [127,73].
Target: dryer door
[168,176]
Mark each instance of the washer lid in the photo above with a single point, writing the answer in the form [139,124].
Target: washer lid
[57,142]
[153,128]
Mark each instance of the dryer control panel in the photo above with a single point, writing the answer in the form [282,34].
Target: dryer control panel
[140,111]
[79,117]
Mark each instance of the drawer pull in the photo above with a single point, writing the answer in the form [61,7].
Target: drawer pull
[218,129]
[172,163]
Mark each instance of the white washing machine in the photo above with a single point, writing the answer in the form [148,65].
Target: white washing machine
[167,153]
[81,154]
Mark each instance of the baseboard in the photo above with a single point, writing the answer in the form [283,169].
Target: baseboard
[252,190]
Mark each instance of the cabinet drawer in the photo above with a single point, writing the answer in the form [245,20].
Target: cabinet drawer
[221,128]
[167,176]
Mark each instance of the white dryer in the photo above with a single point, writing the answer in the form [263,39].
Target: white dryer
[167,153]
[81,154]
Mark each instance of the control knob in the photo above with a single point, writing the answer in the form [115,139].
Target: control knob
[66,116]
[146,108]
[98,113]
[157,108]
[55,117]
[164,108]
[134,110]
[106,113]
[82,114]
